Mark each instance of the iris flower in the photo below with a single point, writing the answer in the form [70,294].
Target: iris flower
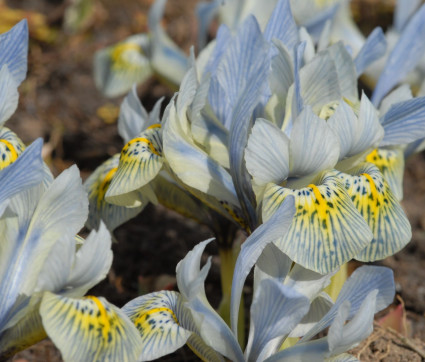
[288,301]
[118,67]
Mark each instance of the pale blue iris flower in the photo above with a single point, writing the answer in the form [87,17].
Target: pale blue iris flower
[118,67]
[288,301]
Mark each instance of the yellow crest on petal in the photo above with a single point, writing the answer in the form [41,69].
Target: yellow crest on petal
[327,230]
[89,329]
[10,147]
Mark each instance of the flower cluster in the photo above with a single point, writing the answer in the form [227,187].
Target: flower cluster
[267,134]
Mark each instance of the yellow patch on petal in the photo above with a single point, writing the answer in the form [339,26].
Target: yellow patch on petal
[120,54]
[376,202]
[97,185]
[89,329]
[10,147]
[327,230]
[140,161]
[391,164]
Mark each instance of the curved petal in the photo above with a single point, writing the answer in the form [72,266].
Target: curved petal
[327,229]
[251,250]
[377,204]
[400,94]
[276,309]
[156,317]
[267,153]
[140,161]
[89,329]
[358,286]
[99,210]
[323,147]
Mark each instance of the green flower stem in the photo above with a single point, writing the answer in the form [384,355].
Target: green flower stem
[228,258]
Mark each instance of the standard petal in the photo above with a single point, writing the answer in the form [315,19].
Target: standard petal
[99,210]
[403,12]
[267,153]
[400,94]
[383,213]
[323,147]
[276,309]
[140,161]
[89,329]
[327,229]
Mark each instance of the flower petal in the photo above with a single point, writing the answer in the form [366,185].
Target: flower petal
[327,229]
[11,147]
[89,329]
[377,204]
[374,48]
[99,210]
[140,161]
[9,95]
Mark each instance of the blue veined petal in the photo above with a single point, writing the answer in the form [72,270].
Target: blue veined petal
[96,186]
[212,329]
[404,10]
[267,153]
[404,56]
[400,94]
[319,85]
[25,172]
[323,147]
[251,249]
[341,336]
[11,147]
[192,165]
[356,133]
[315,25]
[205,12]
[160,319]
[377,204]
[244,58]
[276,309]
[118,67]
[358,286]
[133,117]
[373,49]
[223,39]
[345,69]
[280,77]
[8,94]
[327,229]
[282,25]
[390,162]
[14,50]
[404,122]
[89,329]
[297,101]
[140,161]
[325,36]
[60,211]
